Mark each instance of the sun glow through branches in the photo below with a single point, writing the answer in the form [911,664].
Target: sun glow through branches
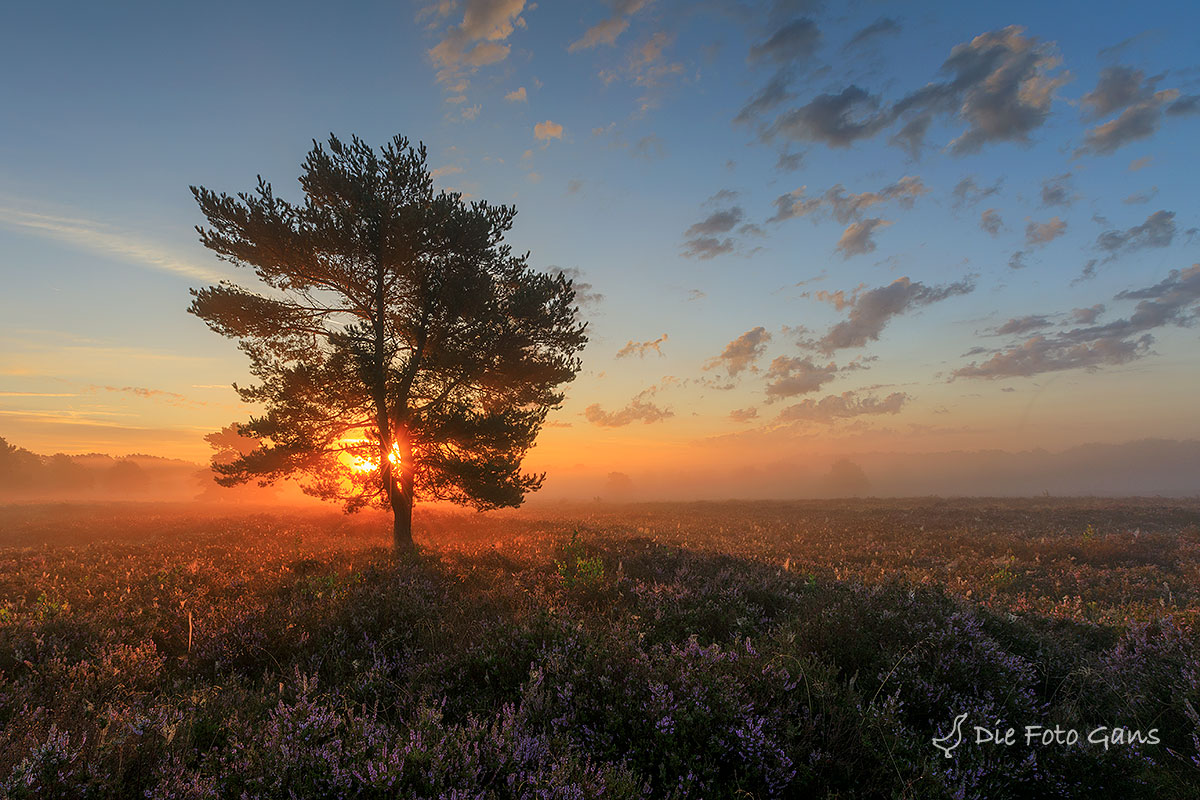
[362,464]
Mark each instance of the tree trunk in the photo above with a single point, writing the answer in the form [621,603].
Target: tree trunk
[401,503]
[402,539]
[401,494]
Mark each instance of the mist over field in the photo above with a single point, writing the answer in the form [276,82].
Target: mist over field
[1151,467]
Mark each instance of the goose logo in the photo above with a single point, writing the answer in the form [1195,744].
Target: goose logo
[952,739]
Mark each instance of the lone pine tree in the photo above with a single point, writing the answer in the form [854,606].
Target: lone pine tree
[402,351]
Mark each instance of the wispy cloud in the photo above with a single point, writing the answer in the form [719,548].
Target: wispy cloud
[96,237]
[846,207]
[607,30]
[171,398]
[640,349]
[39,394]
[843,406]
[639,409]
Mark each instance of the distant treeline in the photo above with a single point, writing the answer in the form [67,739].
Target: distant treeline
[25,475]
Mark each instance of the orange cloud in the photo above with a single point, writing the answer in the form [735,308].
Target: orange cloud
[545,131]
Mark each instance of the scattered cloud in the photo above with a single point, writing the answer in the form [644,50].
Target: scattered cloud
[722,196]
[880,27]
[843,406]
[872,310]
[795,41]
[846,207]
[743,414]
[648,67]
[850,206]
[775,92]
[639,409]
[640,349]
[1137,198]
[442,172]
[517,95]
[794,204]
[789,161]
[1056,191]
[991,222]
[703,238]
[1054,353]
[858,239]
[1142,106]
[1039,233]
[1174,301]
[836,120]
[717,222]
[1157,231]
[1117,88]
[1000,86]
[788,377]
[477,41]
[742,352]
[1135,122]
[1116,50]
[607,30]
[1087,316]
[967,192]
[585,294]
[649,146]
[604,32]
[706,247]
[545,131]
[1189,104]
[838,299]
[1024,325]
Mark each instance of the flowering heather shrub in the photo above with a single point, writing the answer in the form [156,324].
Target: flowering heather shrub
[709,651]
[50,769]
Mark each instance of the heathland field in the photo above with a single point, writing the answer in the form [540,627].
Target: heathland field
[665,650]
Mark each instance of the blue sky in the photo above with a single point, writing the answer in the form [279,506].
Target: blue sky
[1053,135]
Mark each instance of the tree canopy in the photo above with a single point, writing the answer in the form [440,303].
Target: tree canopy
[402,351]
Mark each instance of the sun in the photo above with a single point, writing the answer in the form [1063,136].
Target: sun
[358,463]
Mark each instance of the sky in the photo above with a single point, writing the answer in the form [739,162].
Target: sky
[799,230]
